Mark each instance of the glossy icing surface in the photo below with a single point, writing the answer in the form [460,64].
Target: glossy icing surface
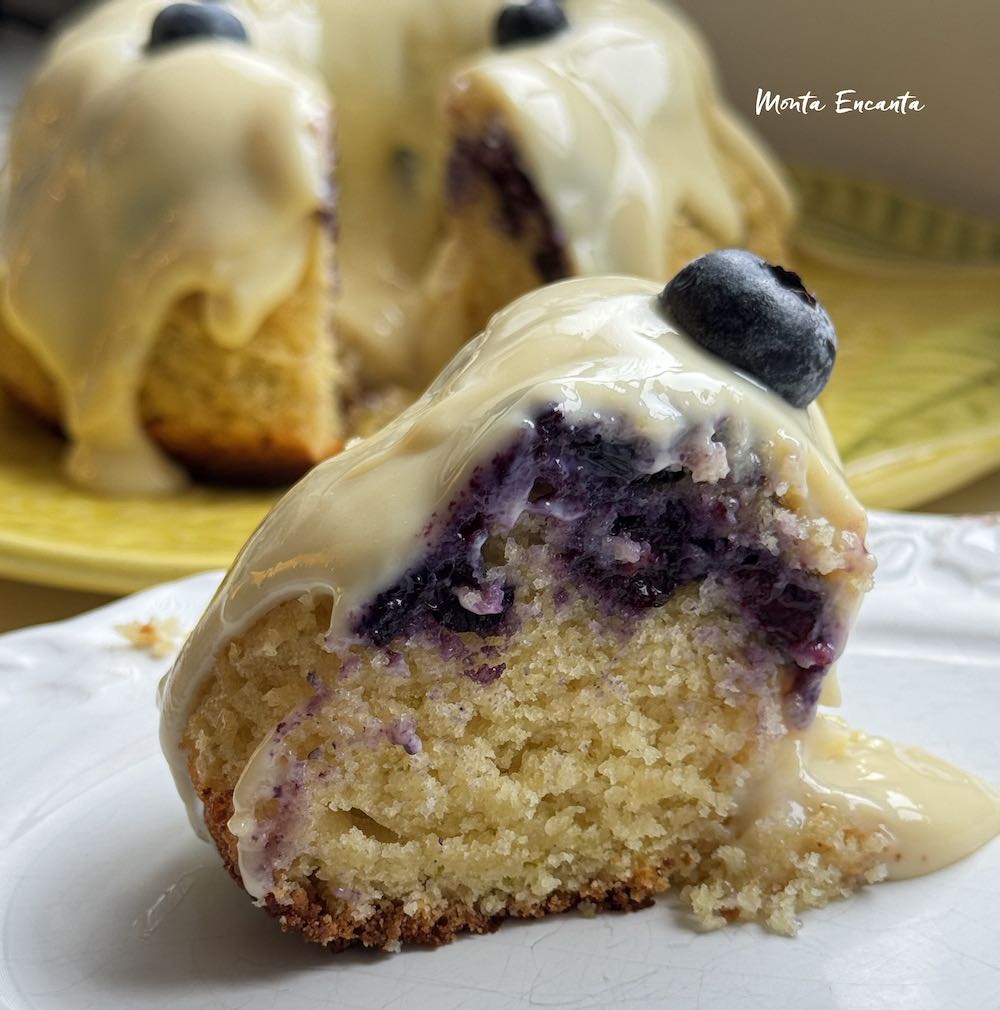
[633,91]
[153,203]
[931,813]
[122,201]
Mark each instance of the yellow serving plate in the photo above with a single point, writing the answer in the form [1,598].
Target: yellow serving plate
[914,291]
[54,533]
[914,401]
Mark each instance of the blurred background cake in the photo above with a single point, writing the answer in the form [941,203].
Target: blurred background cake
[235,235]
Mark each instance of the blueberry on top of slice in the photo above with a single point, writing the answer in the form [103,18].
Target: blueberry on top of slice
[186,22]
[759,318]
[536,19]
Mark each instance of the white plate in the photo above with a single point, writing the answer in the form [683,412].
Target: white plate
[108,901]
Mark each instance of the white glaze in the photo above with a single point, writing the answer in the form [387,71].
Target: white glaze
[621,126]
[932,813]
[137,179]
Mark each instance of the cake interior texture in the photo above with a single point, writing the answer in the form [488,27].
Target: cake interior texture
[569,699]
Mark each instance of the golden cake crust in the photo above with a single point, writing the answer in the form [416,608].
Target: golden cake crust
[263,413]
[390,926]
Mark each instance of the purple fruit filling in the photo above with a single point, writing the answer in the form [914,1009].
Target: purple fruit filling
[403,733]
[273,841]
[491,157]
[626,531]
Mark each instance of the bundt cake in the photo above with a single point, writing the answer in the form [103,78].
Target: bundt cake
[555,635]
[233,235]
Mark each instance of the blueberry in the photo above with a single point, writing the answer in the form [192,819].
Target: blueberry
[536,19]
[758,317]
[184,22]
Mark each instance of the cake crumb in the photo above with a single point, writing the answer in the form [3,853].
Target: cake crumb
[159,637]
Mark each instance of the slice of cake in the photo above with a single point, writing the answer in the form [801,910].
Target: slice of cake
[556,635]
[182,177]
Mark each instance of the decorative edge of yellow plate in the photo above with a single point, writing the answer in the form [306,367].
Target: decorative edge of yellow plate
[98,571]
[865,219]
